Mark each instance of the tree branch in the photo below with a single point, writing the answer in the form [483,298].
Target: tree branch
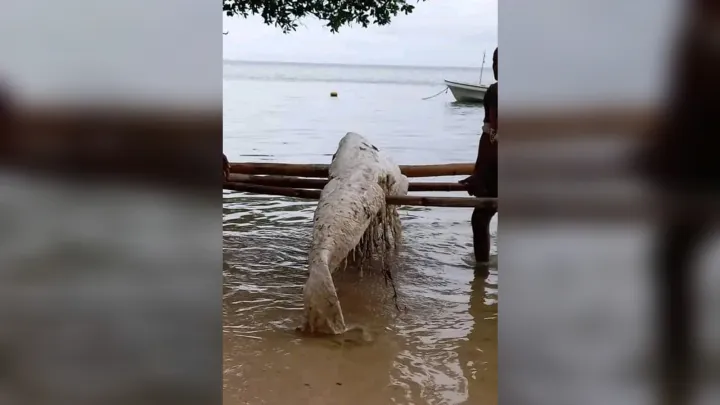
[335,13]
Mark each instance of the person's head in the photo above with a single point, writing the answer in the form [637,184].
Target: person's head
[495,64]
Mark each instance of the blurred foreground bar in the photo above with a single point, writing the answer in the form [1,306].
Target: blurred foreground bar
[576,164]
[575,170]
[165,148]
[624,122]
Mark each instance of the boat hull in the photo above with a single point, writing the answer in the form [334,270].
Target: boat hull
[467,93]
[351,207]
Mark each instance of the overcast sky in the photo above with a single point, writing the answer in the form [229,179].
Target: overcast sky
[437,33]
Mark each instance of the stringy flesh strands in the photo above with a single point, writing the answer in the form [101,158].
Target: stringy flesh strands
[351,219]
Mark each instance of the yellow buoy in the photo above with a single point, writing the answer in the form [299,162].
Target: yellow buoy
[333,94]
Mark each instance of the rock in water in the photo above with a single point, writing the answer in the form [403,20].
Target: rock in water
[351,215]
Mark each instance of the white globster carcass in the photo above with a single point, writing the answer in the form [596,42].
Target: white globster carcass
[351,217]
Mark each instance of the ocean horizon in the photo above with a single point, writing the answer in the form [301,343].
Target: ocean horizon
[361,65]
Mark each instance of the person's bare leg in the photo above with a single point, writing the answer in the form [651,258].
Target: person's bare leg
[675,316]
[481,233]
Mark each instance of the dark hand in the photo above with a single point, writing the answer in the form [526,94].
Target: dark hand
[226,168]
[469,184]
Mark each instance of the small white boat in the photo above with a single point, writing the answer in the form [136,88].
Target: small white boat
[466,92]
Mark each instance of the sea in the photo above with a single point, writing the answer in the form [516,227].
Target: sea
[440,346]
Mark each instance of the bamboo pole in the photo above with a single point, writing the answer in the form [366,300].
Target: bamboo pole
[281,169]
[271,190]
[318,184]
[450,169]
[408,200]
[456,202]
[279,181]
[321,170]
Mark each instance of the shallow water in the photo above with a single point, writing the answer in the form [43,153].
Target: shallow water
[441,346]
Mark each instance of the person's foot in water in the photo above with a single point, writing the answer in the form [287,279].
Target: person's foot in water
[482,270]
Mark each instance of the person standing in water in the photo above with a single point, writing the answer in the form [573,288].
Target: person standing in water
[682,161]
[484,180]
